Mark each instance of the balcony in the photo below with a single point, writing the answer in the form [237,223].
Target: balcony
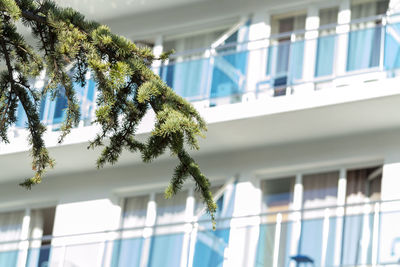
[222,74]
[225,74]
[349,235]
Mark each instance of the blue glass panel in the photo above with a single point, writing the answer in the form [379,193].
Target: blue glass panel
[22,119]
[330,251]
[270,59]
[209,248]
[166,250]
[285,63]
[229,74]
[363,49]
[83,101]
[265,247]
[189,78]
[325,55]
[392,46]
[38,257]
[60,106]
[389,237]
[127,252]
[42,107]
[354,242]
[8,258]
[296,60]
[282,64]
[285,242]
[91,89]
[311,239]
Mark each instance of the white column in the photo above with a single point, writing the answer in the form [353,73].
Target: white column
[310,49]
[148,230]
[259,32]
[325,237]
[375,235]
[296,216]
[24,244]
[341,200]
[389,244]
[190,205]
[95,216]
[277,240]
[244,231]
[344,17]
[366,233]
[157,50]
[394,6]
[193,237]
[114,234]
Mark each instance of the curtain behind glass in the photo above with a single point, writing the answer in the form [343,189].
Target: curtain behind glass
[326,42]
[392,46]
[210,245]
[134,216]
[285,58]
[171,211]
[166,243]
[10,230]
[277,196]
[127,250]
[188,74]
[36,233]
[320,191]
[365,37]
[358,225]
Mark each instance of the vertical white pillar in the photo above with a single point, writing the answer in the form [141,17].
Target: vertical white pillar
[394,7]
[296,216]
[114,234]
[24,244]
[189,213]
[344,17]
[366,233]
[310,47]
[325,236]
[193,237]
[148,230]
[277,240]
[389,244]
[341,200]
[259,32]
[244,232]
[375,235]
[157,50]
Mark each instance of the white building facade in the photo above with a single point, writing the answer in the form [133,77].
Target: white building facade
[303,150]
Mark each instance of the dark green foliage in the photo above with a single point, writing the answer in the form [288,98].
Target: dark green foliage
[127,90]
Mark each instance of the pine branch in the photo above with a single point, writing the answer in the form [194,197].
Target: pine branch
[126,87]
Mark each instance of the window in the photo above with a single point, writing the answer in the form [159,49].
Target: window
[210,245]
[320,192]
[365,36]
[167,241]
[326,42]
[285,55]
[363,186]
[128,250]
[40,233]
[277,196]
[10,234]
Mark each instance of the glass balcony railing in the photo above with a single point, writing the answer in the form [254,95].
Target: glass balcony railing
[361,234]
[225,74]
